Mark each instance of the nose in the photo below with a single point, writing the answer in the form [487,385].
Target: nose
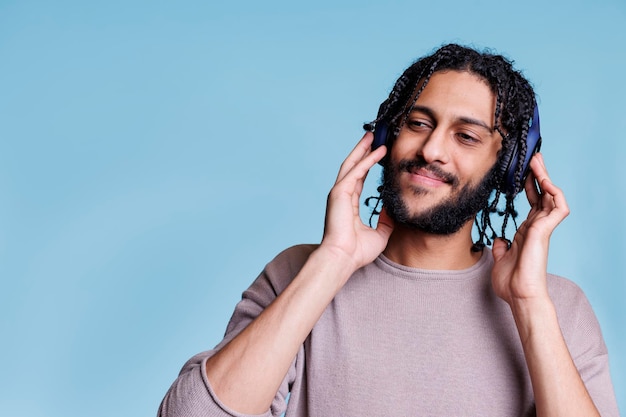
[435,147]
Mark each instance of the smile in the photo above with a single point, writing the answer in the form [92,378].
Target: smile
[427,177]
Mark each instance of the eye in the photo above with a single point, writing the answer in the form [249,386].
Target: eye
[418,124]
[470,139]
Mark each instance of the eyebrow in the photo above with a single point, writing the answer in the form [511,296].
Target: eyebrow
[463,119]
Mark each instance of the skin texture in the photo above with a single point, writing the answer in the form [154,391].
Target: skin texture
[454,132]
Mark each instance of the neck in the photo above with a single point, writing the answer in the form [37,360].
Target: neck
[417,249]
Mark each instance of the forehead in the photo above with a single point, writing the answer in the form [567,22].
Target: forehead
[459,94]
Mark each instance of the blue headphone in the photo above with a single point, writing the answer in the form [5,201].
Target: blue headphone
[383,134]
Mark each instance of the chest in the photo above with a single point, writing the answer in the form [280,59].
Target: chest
[443,348]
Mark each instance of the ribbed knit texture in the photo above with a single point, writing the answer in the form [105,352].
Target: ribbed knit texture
[399,341]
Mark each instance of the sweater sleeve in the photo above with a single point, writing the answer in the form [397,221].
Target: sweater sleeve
[584,339]
[191,394]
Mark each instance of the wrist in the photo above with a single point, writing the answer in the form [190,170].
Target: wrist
[335,255]
[534,317]
[332,264]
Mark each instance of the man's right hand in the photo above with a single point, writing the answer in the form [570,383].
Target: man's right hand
[344,231]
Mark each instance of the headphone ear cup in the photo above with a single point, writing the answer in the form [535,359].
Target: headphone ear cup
[506,169]
[510,160]
[381,134]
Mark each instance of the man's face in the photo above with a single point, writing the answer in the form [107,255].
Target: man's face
[441,168]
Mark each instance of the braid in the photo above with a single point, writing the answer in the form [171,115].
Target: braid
[519,170]
[431,70]
[393,97]
[515,101]
[485,225]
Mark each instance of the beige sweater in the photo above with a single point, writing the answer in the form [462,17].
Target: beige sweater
[400,341]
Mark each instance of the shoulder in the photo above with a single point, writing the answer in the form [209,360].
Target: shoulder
[566,294]
[562,288]
[577,319]
[281,270]
[294,257]
[272,281]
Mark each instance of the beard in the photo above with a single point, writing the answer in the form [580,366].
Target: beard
[446,217]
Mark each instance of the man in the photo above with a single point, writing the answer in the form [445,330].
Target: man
[413,317]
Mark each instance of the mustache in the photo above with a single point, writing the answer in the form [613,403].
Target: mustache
[420,163]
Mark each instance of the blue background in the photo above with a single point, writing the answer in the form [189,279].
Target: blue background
[155,155]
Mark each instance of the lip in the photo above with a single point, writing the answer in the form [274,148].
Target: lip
[427,177]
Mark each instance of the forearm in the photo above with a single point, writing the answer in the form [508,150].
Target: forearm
[557,385]
[247,372]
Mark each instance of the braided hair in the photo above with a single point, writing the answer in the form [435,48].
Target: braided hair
[515,102]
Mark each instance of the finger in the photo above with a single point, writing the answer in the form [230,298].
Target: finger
[385,223]
[358,152]
[532,193]
[548,191]
[558,200]
[358,172]
[361,150]
[351,184]
[499,249]
[538,167]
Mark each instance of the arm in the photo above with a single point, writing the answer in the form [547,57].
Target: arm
[519,277]
[247,372]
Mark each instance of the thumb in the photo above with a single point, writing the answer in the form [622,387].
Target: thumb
[385,223]
[499,248]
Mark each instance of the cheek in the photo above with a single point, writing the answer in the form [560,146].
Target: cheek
[405,147]
[495,156]
[473,168]
[398,148]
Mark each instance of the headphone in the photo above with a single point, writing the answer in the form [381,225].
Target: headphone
[383,134]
